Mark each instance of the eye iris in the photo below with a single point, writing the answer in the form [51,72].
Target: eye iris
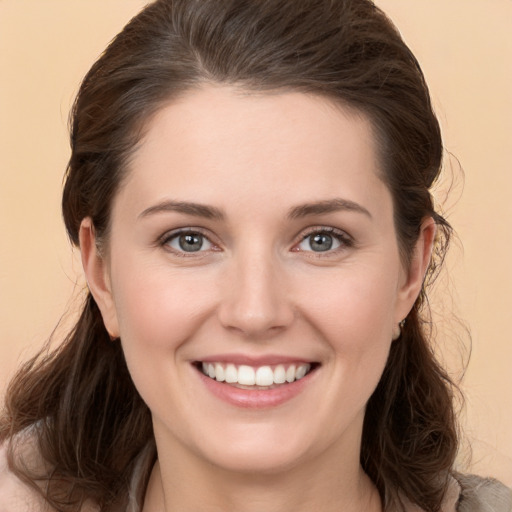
[321,242]
[191,242]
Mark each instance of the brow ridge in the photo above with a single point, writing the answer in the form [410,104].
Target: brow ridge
[185,207]
[296,212]
[327,206]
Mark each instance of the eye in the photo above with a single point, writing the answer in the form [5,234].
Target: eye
[188,242]
[324,240]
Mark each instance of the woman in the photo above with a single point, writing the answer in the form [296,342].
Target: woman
[249,189]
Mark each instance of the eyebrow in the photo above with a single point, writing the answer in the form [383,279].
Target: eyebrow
[196,209]
[297,212]
[327,206]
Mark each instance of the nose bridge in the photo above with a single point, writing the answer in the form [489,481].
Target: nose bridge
[255,300]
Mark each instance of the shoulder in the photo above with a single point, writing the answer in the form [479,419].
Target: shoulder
[15,496]
[469,493]
[483,495]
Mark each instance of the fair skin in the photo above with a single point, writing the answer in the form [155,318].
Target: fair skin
[289,258]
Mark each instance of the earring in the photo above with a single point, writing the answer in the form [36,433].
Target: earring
[111,336]
[398,332]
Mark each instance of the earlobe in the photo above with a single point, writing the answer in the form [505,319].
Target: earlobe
[418,267]
[97,277]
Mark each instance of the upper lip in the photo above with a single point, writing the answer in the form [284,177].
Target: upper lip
[251,360]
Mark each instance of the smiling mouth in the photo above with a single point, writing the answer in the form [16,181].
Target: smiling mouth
[257,378]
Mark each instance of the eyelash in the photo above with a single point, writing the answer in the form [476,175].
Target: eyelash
[341,237]
[165,240]
[345,241]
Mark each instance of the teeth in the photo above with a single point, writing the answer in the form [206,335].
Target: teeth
[290,374]
[301,372]
[246,376]
[231,374]
[279,374]
[263,376]
[219,373]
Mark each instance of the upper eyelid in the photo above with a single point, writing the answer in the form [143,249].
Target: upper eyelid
[173,233]
[324,229]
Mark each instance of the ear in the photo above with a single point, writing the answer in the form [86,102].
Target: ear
[415,274]
[96,273]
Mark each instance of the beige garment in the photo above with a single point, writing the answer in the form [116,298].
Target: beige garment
[466,493]
[14,495]
[483,495]
[470,493]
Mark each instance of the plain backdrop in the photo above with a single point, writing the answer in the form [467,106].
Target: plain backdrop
[465,49]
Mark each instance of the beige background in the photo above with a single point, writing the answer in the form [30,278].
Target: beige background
[465,48]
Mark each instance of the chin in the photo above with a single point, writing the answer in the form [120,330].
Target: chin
[264,450]
[262,461]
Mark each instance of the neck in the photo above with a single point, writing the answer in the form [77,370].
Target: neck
[186,486]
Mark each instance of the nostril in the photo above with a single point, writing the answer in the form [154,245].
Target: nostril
[253,300]
[255,322]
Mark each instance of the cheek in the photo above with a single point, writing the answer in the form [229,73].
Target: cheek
[157,314]
[354,316]
[157,309]
[354,306]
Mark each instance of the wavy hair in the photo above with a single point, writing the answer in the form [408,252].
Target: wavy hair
[88,420]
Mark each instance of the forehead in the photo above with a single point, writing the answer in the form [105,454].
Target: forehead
[218,144]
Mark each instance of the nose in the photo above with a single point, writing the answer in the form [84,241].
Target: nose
[255,302]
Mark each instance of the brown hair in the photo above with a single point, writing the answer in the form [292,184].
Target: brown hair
[89,420]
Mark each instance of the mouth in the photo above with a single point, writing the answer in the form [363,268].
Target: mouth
[264,377]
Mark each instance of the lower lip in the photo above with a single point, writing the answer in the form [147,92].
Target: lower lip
[257,398]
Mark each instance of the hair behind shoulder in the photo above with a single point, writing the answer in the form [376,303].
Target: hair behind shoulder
[85,418]
[91,421]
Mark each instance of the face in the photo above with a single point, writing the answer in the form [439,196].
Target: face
[254,278]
